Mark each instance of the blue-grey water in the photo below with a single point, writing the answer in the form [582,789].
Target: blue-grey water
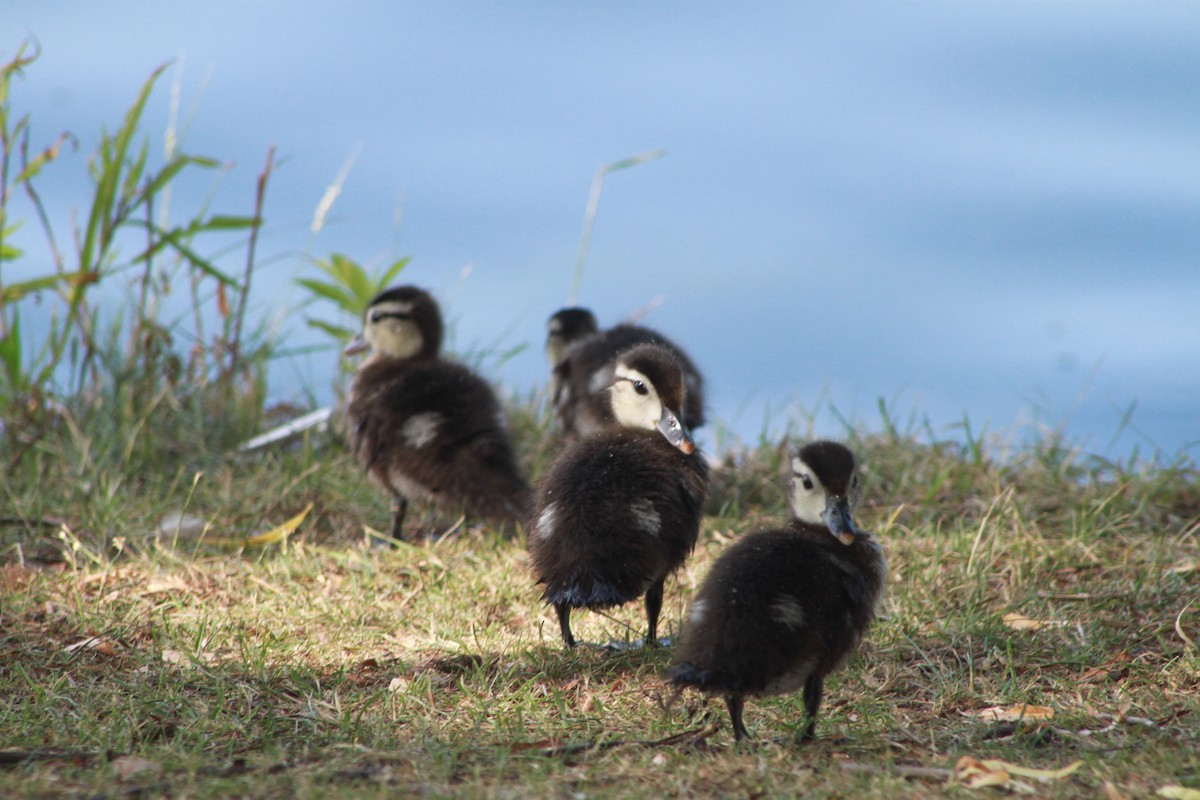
[986,209]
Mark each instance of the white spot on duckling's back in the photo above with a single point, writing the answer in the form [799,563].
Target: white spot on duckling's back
[547,521]
[421,429]
[698,612]
[786,610]
[645,517]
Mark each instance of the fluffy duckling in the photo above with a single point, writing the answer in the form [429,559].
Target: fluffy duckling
[426,428]
[782,609]
[618,512]
[582,356]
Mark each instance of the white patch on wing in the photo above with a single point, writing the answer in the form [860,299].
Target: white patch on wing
[645,517]
[547,521]
[421,429]
[699,609]
[786,610]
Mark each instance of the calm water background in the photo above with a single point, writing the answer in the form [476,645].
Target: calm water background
[988,209]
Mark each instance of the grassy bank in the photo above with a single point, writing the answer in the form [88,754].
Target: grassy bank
[160,636]
[146,650]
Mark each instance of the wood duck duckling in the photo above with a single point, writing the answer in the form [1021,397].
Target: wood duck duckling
[581,359]
[618,512]
[565,329]
[782,609]
[426,428]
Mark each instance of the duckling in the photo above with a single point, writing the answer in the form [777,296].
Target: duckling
[565,329]
[618,512]
[782,609]
[425,428]
[581,357]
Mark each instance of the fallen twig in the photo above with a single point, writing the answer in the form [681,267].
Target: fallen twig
[549,749]
[903,770]
[15,758]
[35,522]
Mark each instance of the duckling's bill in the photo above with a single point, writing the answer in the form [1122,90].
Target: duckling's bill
[357,345]
[837,519]
[670,427]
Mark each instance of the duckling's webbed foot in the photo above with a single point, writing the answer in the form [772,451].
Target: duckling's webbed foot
[564,623]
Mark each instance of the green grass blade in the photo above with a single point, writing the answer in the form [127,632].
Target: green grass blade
[328,291]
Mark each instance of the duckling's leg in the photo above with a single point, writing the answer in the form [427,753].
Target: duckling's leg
[653,607]
[399,506]
[564,623]
[734,702]
[813,687]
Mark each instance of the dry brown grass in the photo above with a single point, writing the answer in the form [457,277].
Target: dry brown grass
[138,662]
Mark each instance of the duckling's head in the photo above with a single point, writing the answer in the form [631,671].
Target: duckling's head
[824,488]
[566,327]
[403,322]
[647,393]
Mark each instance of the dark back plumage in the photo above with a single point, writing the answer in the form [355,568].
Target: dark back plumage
[583,370]
[426,428]
[782,609]
[618,512]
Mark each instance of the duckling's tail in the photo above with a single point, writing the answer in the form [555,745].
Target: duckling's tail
[585,591]
[685,673]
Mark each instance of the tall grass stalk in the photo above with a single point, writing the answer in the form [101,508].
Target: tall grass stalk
[101,354]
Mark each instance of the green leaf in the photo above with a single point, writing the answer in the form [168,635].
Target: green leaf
[10,351]
[165,176]
[15,291]
[328,291]
[133,175]
[219,222]
[41,159]
[196,260]
[113,153]
[390,274]
[336,331]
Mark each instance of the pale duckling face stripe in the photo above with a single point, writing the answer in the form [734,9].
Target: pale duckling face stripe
[786,610]
[421,429]
[391,331]
[808,494]
[645,517]
[636,403]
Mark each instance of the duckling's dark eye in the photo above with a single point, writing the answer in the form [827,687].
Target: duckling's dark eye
[807,481]
[640,388]
[376,316]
